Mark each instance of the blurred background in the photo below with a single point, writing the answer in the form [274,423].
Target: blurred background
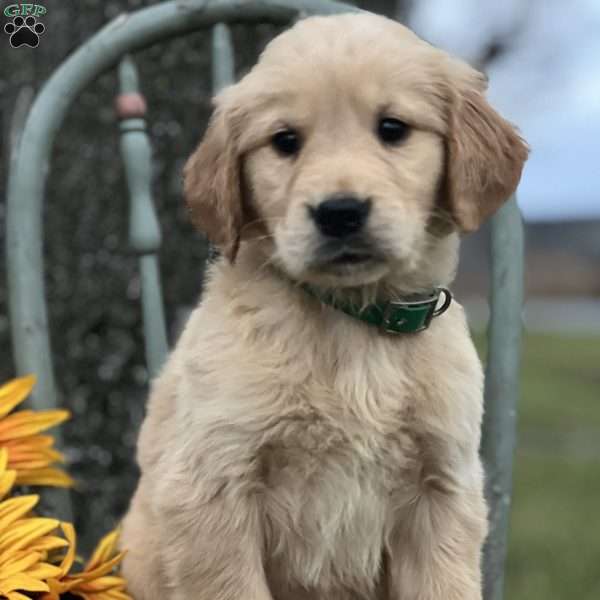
[543,59]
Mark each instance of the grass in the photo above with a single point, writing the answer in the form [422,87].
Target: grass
[554,540]
[554,544]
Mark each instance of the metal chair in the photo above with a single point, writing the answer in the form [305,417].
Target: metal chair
[110,47]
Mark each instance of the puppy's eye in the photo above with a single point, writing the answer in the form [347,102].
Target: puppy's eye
[287,142]
[392,131]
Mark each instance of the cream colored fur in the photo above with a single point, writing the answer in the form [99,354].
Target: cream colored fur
[290,452]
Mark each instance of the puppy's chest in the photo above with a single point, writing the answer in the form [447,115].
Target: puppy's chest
[331,466]
[346,439]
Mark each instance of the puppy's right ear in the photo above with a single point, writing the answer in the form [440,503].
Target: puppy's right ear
[212,186]
[485,153]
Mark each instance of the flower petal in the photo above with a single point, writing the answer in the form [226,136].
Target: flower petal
[69,557]
[103,569]
[44,571]
[24,583]
[28,422]
[7,480]
[33,442]
[14,392]
[48,543]
[104,550]
[18,563]
[20,454]
[103,584]
[26,531]
[15,508]
[57,588]
[3,459]
[45,476]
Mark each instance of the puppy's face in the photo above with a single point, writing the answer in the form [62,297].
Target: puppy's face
[348,151]
[345,158]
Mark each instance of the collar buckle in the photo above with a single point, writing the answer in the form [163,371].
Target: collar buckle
[412,317]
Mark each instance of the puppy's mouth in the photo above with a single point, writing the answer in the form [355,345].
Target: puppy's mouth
[351,258]
[346,258]
[345,264]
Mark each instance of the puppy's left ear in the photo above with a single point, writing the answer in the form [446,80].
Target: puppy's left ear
[213,187]
[485,154]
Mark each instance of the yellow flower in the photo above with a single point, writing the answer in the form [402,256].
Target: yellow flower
[96,581]
[29,454]
[24,541]
[27,546]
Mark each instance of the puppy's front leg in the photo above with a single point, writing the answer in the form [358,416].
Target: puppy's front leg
[435,551]
[214,550]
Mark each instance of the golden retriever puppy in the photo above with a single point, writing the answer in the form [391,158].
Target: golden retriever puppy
[296,446]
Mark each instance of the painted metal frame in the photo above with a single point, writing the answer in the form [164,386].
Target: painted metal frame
[502,376]
[30,165]
[144,230]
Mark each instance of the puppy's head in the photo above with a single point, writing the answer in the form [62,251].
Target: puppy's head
[349,152]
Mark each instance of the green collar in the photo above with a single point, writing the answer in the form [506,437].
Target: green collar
[394,316]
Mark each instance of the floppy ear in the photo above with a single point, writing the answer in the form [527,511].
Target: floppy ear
[212,186]
[485,156]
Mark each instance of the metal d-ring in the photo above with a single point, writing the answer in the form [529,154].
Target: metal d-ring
[447,301]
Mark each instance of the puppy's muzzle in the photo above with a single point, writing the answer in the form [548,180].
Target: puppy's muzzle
[341,215]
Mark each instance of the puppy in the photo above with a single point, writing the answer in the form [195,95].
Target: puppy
[294,450]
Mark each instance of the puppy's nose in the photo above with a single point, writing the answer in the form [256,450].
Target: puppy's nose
[341,215]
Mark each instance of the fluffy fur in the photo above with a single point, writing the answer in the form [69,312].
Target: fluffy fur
[290,452]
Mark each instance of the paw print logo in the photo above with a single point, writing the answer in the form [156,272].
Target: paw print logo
[24,32]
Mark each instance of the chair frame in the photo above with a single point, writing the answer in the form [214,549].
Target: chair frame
[30,165]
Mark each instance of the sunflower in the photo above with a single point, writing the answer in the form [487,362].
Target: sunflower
[30,566]
[30,455]
[25,541]
[96,581]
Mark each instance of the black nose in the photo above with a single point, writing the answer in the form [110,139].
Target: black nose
[341,215]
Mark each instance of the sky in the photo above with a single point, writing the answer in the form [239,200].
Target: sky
[547,83]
